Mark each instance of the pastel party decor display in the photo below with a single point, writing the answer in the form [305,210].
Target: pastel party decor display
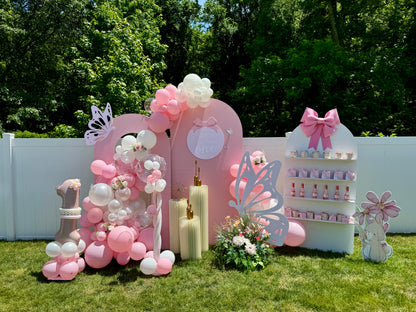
[259,190]
[373,221]
[318,195]
[66,263]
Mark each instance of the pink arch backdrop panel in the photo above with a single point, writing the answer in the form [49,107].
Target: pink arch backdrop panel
[134,123]
[215,171]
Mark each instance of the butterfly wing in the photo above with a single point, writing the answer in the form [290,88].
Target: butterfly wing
[100,125]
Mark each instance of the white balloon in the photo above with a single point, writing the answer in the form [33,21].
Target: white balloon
[122,214]
[139,204]
[168,254]
[81,245]
[112,217]
[148,266]
[127,157]
[148,164]
[114,205]
[128,142]
[141,155]
[147,138]
[156,165]
[145,220]
[149,188]
[100,194]
[69,249]
[191,82]
[160,185]
[206,83]
[123,194]
[53,249]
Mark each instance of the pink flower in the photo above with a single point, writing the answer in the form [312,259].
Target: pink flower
[386,208]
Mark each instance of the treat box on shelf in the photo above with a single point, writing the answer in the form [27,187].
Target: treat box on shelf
[321,200]
[324,221]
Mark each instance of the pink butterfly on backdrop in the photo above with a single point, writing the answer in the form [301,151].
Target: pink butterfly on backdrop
[276,224]
[100,125]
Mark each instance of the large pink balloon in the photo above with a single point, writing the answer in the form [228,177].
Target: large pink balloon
[98,255]
[296,234]
[95,215]
[241,188]
[123,258]
[164,266]
[68,270]
[146,237]
[97,166]
[84,221]
[87,204]
[120,239]
[159,122]
[137,251]
[51,269]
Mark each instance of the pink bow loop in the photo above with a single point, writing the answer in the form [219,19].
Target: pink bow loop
[319,128]
[210,123]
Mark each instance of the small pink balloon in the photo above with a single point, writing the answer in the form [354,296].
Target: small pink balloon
[137,251]
[151,210]
[173,107]
[146,237]
[162,97]
[184,106]
[173,117]
[98,255]
[81,264]
[149,254]
[158,122]
[68,270]
[135,193]
[50,269]
[97,166]
[172,90]
[296,234]
[120,239]
[258,188]
[164,266]
[234,170]
[241,188]
[101,236]
[123,258]
[101,179]
[87,204]
[154,106]
[130,179]
[109,171]
[85,234]
[84,222]
[95,215]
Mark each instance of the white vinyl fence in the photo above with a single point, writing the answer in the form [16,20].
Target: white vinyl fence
[30,169]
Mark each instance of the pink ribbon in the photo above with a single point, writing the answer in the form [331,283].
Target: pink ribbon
[210,123]
[319,128]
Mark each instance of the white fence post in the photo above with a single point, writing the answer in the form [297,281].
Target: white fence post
[6,185]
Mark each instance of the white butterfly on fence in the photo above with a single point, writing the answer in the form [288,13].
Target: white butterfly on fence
[100,125]
[266,178]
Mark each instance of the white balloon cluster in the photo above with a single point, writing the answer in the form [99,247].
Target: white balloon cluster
[151,172]
[68,249]
[194,91]
[132,148]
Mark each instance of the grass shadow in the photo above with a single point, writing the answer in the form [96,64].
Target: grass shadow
[311,253]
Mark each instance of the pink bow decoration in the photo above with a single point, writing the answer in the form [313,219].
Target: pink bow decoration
[319,128]
[210,123]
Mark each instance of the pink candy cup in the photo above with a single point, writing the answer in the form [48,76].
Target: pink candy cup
[95,215]
[97,166]
[137,251]
[120,239]
[159,122]
[164,266]
[98,255]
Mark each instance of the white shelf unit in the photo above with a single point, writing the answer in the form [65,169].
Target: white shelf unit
[323,234]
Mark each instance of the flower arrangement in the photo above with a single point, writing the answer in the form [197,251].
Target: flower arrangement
[242,244]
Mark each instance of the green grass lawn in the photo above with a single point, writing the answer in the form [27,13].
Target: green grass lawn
[296,280]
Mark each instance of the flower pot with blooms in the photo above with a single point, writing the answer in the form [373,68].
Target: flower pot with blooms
[242,244]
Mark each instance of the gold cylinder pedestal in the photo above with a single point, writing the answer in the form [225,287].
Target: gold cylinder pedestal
[198,198]
[177,209]
[190,238]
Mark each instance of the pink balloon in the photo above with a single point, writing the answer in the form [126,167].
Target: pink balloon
[149,254]
[162,97]
[68,270]
[172,90]
[97,166]
[296,234]
[151,210]
[173,107]
[109,171]
[241,188]
[158,122]
[154,106]
[140,185]
[98,255]
[83,221]
[120,239]
[164,266]
[101,179]
[137,251]
[258,188]
[130,179]
[81,264]
[173,117]
[101,236]
[123,258]
[87,204]
[50,269]
[146,237]
[234,170]
[95,215]
[135,193]
[85,234]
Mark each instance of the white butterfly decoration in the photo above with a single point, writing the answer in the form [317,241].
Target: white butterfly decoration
[266,178]
[100,125]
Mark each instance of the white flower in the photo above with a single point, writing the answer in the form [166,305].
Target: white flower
[239,240]
[251,249]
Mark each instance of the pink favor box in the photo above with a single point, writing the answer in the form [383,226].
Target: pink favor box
[303,173]
[326,174]
[291,172]
[315,174]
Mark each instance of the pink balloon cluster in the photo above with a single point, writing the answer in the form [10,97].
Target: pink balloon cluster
[165,109]
[258,161]
[63,268]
